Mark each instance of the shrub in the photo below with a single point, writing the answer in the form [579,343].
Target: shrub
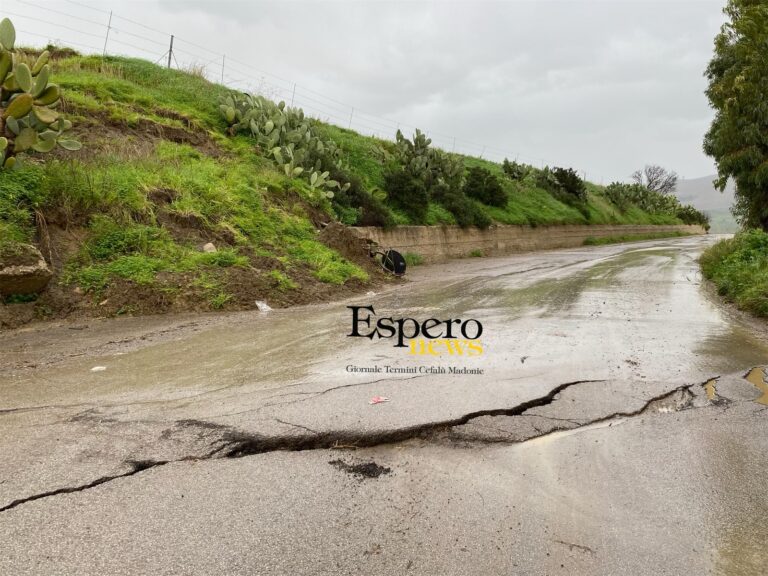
[651,201]
[545,179]
[514,170]
[413,259]
[465,211]
[619,195]
[408,193]
[571,183]
[739,269]
[484,186]
[690,215]
[420,174]
[353,203]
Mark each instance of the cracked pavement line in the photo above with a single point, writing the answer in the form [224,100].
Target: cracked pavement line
[233,443]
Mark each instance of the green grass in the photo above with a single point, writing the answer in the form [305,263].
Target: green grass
[413,259]
[18,198]
[601,240]
[112,195]
[739,269]
[210,285]
[130,88]
[364,155]
[283,281]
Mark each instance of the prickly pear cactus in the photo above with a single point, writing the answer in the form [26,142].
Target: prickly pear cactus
[427,164]
[28,118]
[286,136]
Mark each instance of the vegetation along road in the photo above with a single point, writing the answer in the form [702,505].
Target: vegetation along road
[241,442]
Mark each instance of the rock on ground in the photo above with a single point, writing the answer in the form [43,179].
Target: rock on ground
[23,270]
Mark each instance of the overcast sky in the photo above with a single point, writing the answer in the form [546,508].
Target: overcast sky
[604,87]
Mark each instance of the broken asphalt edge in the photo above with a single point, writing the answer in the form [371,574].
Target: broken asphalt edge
[237,444]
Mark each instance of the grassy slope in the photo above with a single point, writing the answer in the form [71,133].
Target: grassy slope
[156,178]
[158,175]
[739,269]
[527,203]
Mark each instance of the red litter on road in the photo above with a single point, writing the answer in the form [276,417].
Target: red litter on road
[378,400]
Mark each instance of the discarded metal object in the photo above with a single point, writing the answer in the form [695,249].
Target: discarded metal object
[390,260]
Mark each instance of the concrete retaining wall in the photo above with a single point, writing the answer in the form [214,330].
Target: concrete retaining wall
[437,243]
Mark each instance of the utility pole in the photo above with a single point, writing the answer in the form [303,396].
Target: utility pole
[170,52]
[106,39]
[293,95]
[223,60]
[350,117]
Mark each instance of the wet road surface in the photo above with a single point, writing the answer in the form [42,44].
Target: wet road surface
[617,426]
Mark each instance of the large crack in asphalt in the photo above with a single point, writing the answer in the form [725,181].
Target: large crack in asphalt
[136,467]
[233,443]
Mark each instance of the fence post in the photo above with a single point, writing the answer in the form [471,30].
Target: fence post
[106,38]
[170,52]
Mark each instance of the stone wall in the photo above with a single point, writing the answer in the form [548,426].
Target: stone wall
[437,243]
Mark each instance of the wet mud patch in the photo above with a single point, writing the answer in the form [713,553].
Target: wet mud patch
[757,377]
[351,246]
[362,470]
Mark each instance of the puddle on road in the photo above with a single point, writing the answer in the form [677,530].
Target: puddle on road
[756,377]
[710,390]
[729,348]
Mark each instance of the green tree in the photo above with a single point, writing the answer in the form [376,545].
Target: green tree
[738,85]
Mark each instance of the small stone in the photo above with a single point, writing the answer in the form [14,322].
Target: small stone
[98,369]
[210,247]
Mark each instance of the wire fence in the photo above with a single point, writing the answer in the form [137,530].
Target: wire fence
[106,32]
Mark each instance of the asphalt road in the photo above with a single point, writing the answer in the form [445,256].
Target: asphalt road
[613,430]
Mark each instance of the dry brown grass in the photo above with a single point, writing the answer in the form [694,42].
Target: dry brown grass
[196,70]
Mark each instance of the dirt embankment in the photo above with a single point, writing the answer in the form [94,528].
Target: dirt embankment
[178,292]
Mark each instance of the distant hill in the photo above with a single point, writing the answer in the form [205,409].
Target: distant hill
[701,193]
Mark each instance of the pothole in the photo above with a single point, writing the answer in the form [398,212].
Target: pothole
[361,470]
[676,401]
[710,390]
[756,377]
